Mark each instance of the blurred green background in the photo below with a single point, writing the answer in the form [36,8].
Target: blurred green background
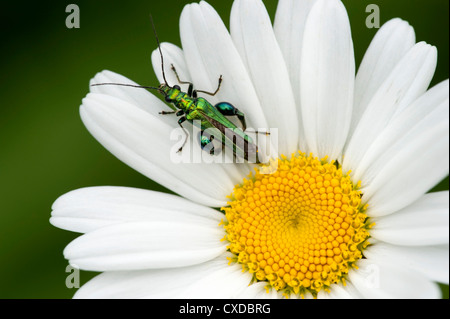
[45,149]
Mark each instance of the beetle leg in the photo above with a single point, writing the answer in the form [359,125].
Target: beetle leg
[190,91]
[181,120]
[217,90]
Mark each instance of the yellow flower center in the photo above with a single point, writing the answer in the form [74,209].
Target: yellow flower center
[299,229]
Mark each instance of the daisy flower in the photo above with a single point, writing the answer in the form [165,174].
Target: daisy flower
[345,215]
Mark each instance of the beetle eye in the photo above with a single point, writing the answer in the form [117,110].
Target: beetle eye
[177,87]
[168,99]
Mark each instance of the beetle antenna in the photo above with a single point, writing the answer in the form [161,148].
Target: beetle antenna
[160,51]
[130,85]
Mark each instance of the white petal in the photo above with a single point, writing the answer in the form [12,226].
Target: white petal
[210,52]
[430,106]
[420,166]
[327,78]
[412,150]
[390,44]
[144,245]
[409,80]
[143,141]
[378,280]
[172,55]
[425,222]
[289,26]
[431,261]
[224,283]
[253,36]
[157,283]
[86,209]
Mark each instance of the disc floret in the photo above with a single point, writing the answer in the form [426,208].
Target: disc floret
[300,229]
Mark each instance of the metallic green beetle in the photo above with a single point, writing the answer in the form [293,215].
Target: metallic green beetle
[198,111]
